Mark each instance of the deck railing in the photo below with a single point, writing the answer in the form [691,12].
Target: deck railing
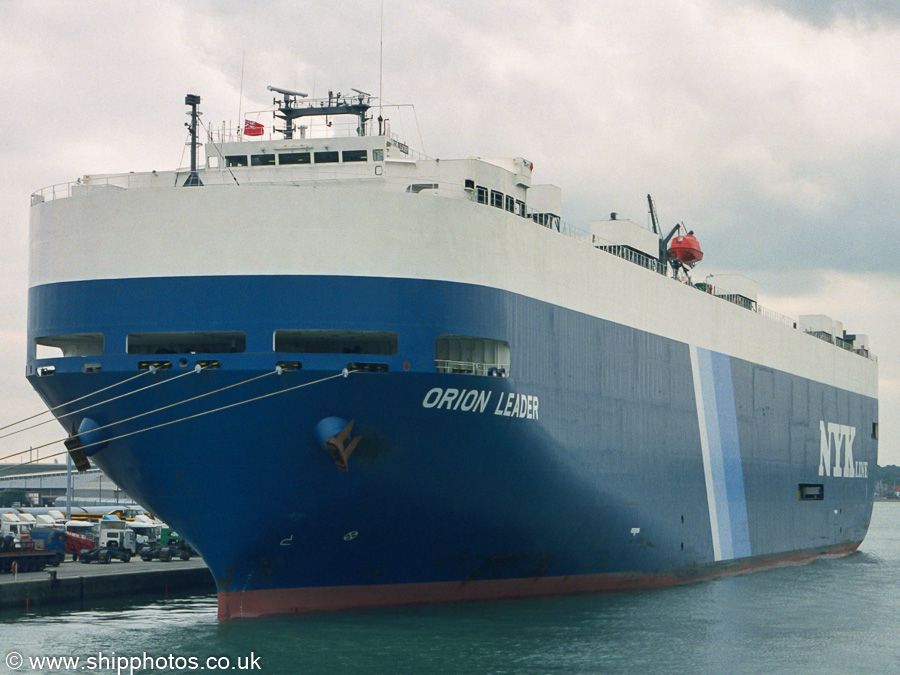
[290,177]
[472,368]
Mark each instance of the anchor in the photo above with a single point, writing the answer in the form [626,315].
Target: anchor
[76,451]
[339,448]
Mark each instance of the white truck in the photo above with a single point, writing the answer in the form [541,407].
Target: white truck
[12,525]
[19,552]
[112,539]
[147,531]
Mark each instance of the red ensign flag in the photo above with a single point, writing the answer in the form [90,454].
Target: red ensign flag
[253,128]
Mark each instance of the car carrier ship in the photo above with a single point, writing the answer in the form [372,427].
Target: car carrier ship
[435,388]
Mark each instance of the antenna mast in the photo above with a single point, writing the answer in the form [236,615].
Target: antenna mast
[193,100]
[381,71]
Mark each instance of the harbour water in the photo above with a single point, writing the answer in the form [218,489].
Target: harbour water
[830,616]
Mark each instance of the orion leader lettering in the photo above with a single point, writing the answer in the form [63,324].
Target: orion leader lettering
[509,404]
[836,437]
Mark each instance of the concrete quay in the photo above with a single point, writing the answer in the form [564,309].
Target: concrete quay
[79,582]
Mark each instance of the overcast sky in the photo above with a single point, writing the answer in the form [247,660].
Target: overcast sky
[771,127]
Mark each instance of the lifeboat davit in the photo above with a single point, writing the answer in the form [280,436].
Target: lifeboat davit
[686,249]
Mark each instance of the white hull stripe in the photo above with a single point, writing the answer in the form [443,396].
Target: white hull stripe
[720,447]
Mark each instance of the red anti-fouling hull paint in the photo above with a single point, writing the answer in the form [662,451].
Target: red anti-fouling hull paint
[251,604]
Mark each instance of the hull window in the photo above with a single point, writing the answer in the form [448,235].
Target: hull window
[194,342]
[383,343]
[811,492]
[471,355]
[81,344]
[416,188]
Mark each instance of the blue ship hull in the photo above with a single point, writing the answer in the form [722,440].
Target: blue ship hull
[609,457]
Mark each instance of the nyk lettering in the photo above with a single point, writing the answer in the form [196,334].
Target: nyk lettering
[836,452]
[509,404]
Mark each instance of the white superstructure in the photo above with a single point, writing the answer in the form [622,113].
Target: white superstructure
[316,201]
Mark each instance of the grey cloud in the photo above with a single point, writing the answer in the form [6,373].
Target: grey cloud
[823,13]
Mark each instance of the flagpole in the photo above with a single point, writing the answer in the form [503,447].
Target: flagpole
[240,125]
[381,68]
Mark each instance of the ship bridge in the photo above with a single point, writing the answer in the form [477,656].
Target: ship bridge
[326,150]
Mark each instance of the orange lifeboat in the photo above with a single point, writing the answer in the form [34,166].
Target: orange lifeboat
[686,250]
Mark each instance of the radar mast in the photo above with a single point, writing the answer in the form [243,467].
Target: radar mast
[336,104]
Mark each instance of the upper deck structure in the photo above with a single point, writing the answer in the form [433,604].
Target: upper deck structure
[315,145]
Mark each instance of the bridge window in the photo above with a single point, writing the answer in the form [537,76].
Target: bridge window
[293,158]
[327,157]
[236,160]
[510,204]
[355,155]
[78,344]
[262,160]
[193,342]
[382,343]
[471,355]
[481,194]
[497,199]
